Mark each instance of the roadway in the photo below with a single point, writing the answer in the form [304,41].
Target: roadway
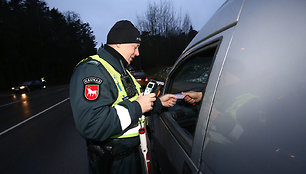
[37,134]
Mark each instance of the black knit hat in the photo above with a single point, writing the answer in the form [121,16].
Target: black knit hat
[123,32]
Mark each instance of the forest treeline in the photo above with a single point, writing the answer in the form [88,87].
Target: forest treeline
[37,41]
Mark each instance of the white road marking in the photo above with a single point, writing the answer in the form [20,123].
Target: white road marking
[10,103]
[24,121]
[18,101]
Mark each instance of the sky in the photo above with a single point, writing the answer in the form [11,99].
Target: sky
[103,14]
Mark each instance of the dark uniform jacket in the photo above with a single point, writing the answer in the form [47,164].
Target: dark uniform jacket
[95,117]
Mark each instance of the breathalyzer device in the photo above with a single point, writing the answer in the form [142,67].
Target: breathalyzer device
[149,88]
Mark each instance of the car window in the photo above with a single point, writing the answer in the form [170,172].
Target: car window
[192,74]
[36,82]
[27,83]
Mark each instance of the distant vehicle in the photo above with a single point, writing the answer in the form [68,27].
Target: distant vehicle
[249,62]
[141,78]
[29,85]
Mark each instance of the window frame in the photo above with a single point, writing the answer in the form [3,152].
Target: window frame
[175,129]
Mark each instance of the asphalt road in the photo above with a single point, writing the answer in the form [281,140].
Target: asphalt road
[37,134]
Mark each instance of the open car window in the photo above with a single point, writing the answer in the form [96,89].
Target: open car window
[192,74]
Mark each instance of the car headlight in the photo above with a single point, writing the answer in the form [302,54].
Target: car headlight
[13,88]
[22,87]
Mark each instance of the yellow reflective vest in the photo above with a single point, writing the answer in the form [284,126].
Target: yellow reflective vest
[121,93]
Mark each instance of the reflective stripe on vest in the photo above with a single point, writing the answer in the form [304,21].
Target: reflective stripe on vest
[239,102]
[121,93]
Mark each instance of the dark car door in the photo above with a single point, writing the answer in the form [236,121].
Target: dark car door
[178,133]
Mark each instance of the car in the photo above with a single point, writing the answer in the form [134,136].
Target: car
[29,85]
[141,77]
[23,87]
[249,62]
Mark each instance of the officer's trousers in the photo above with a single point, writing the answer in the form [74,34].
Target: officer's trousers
[126,157]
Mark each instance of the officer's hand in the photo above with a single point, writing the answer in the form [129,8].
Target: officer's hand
[168,100]
[146,102]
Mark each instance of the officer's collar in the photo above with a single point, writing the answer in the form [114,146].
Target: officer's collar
[116,54]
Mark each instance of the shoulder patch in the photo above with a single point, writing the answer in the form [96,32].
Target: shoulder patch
[92,87]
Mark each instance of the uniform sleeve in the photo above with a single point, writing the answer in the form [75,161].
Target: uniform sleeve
[95,117]
[157,106]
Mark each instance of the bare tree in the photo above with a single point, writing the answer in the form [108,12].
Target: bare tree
[161,19]
[186,24]
[71,16]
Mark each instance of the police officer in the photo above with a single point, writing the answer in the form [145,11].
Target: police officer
[107,103]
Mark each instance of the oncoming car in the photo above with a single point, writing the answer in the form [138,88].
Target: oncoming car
[249,64]
[29,85]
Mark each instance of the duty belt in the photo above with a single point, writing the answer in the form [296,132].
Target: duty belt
[105,150]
